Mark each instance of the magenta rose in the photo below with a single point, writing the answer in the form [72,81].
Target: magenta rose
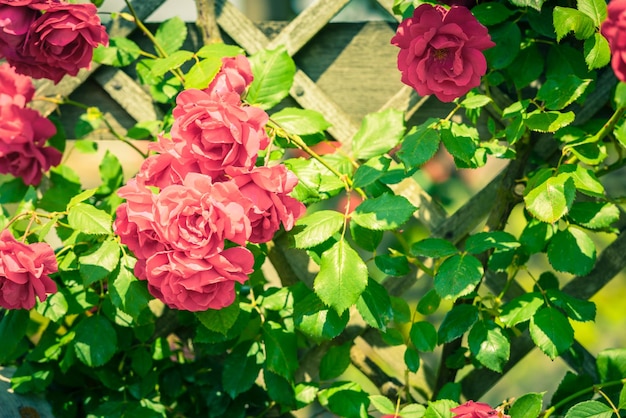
[218,133]
[16,19]
[61,41]
[25,272]
[198,284]
[473,409]
[234,77]
[614,30]
[197,216]
[23,135]
[268,188]
[15,88]
[441,51]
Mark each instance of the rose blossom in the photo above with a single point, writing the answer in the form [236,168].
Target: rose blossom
[24,272]
[473,409]
[614,30]
[168,166]
[23,134]
[14,88]
[15,21]
[195,284]
[218,133]
[440,51]
[267,189]
[234,76]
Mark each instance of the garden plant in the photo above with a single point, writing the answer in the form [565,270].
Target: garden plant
[150,295]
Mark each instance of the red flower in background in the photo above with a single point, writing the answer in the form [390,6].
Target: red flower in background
[614,30]
[473,409]
[441,51]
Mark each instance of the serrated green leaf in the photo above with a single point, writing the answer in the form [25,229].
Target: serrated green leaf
[280,389]
[611,364]
[490,14]
[385,212]
[572,251]
[273,76]
[440,409]
[594,215]
[306,392]
[552,121]
[280,350]
[119,53]
[373,170]
[127,292]
[414,410]
[484,241]
[458,276]
[595,9]
[365,238]
[456,322]
[622,398]
[318,227]
[551,331]
[95,341]
[81,197]
[175,60]
[202,73]
[433,248]
[242,367]
[473,100]
[585,180]
[558,93]
[111,173]
[345,399]
[527,406]
[379,132]
[392,265]
[100,263]
[220,320]
[423,336]
[89,220]
[382,404]
[590,409]
[568,20]
[597,51]
[219,50]
[489,345]
[620,94]
[342,277]
[412,359]
[335,361]
[374,305]
[577,309]
[301,121]
[521,308]
[550,200]
[171,34]
[420,144]
[461,146]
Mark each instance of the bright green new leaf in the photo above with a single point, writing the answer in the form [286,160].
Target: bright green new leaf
[379,132]
[95,342]
[384,212]
[273,76]
[242,367]
[423,336]
[100,263]
[414,410]
[558,93]
[551,200]
[171,34]
[577,309]
[300,121]
[572,251]
[54,308]
[440,409]
[551,331]
[594,215]
[280,350]
[163,65]
[120,52]
[521,308]
[526,406]
[374,305]
[433,248]
[597,51]
[622,398]
[420,144]
[412,359]
[219,320]
[458,276]
[342,277]
[473,100]
[89,220]
[590,409]
[620,94]
[81,197]
[484,241]
[456,322]
[382,404]
[335,361]
[568,20]
[585,180]
[202,73]
[595,9]
[318,227]
[489,345]
[306,393]
[552,121]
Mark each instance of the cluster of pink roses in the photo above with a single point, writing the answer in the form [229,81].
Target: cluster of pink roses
[23,131]
[614,30]
[49,38]
[194,205]
[24,272]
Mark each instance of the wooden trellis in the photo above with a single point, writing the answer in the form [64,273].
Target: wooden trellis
[334,61]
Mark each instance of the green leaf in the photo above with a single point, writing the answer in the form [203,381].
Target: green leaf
[433,248]
[572,251]
[202,73]
[280,350]
[595,9]
[306,393]
[12,329]
[89,220]
[100,263]
[171,34]
[374,305]
[551,331]
[461,146]
[384,212]
[420,144]
[280,389]
[65,185]
[392,265]
[413,410]
[54,308]
[345,399]
[590,409]
[577,309]
[440,409]
[473,100]
[273,76]
[85,146]
[558,93]
[219,320]
[127,292]
[429,303]
[597,51]
[527,406]
[163,65]
[568,20]
[242,367]
[535,236]
[490,14]
[81,197]
[30,378]
[456,322]
[365,238]
[620,95]
[521,308]
[585,180]
[319,227]
[458,276]
[527,66]
[484,241]
[508,39]
[594,215]
[316,320]
[379,132]
[552,121]
[489,345]
[412,359]
[382,404]
[95,342]
[301,121]
[373,170]
[551,200]
[611,364]
[335,361]
[121,52]
[342,277]
[423,336]
[622,398]
[219,50]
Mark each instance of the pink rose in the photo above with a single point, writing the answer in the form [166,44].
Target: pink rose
[614,30]
[23,134]
[195,284]
[168,167]
[218,133]
[197,216]
[473,409]
[234,77]
[14,88]
[267,189]
[440,51]
[61,41]
[24,272]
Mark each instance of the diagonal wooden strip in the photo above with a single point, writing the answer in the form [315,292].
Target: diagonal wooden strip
[388,6]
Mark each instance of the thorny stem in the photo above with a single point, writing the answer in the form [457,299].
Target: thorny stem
[595,388]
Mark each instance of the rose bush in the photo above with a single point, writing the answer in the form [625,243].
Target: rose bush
[614,29]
